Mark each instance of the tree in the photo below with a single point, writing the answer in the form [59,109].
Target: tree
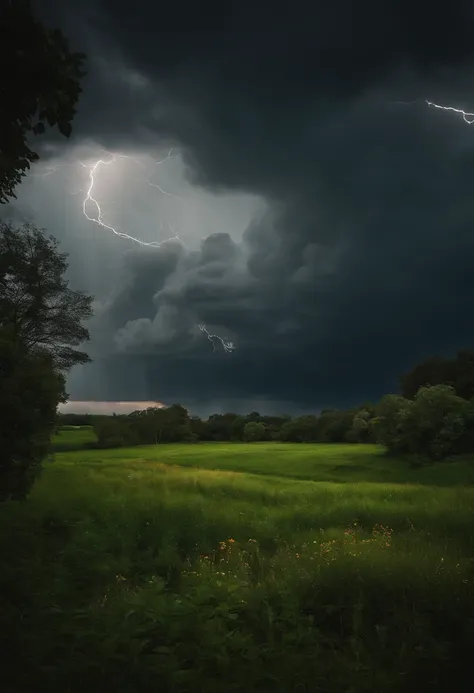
[387,424]
[360,431]
[432,371]
[237,427]
[274,424]
[458,372]
[36,304]
[30,390]
[161,425]
[197,427]
[464,374]
[435,422]
[303,429]
[40,324]
[114,432]
[333,425]
[253,416]
[254,431]
[224,426]
[41,85]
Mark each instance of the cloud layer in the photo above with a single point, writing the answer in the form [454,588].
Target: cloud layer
[330,227]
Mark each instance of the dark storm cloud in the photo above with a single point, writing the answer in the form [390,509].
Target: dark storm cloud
[245,71]
[361,264]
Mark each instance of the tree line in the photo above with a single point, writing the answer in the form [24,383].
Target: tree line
[436,423]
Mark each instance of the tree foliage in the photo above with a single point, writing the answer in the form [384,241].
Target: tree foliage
[360,430]
[30,390]
[457,372]
[387,422]
[303,429]
[254,431]
[173,424]
[40,326]
[37,306]
[436,423]
[146,427]
[40,86]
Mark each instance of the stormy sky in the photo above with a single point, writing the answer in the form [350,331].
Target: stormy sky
[325,212]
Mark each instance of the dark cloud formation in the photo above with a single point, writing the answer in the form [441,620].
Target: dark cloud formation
[360,263]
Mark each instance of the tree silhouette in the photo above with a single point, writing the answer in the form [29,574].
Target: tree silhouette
[40,86]
[37,307]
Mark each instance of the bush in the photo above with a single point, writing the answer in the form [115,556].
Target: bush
[436,423]
[254,431]
[113,432]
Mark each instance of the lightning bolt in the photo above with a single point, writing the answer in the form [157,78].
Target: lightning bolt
[227,346]
[459,111]
[89,199]
[97,217]
[466,116]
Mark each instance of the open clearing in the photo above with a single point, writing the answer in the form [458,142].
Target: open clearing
[238,567]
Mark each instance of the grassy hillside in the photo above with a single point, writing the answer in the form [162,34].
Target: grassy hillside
[220,567]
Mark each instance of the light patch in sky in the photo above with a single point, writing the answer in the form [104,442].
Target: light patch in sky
[52,197]
[106,408]
[143,194]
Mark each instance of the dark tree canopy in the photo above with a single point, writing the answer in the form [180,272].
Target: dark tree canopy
[457,372]
[40,85]
[37,307]
[30,390]
[40,326]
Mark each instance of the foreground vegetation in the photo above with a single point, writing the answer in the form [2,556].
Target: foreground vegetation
[176,566]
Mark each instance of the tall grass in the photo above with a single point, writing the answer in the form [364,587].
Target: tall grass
[174,568]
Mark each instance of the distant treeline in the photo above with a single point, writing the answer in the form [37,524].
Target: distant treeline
[433,417]
[174,424]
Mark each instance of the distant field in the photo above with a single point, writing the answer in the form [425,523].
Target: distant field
[317,462]
[73,438]
[239,567]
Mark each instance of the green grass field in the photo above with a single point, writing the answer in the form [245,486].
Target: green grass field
[238,567]
[73,438]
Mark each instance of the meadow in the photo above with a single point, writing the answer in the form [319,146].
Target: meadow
[238,567]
